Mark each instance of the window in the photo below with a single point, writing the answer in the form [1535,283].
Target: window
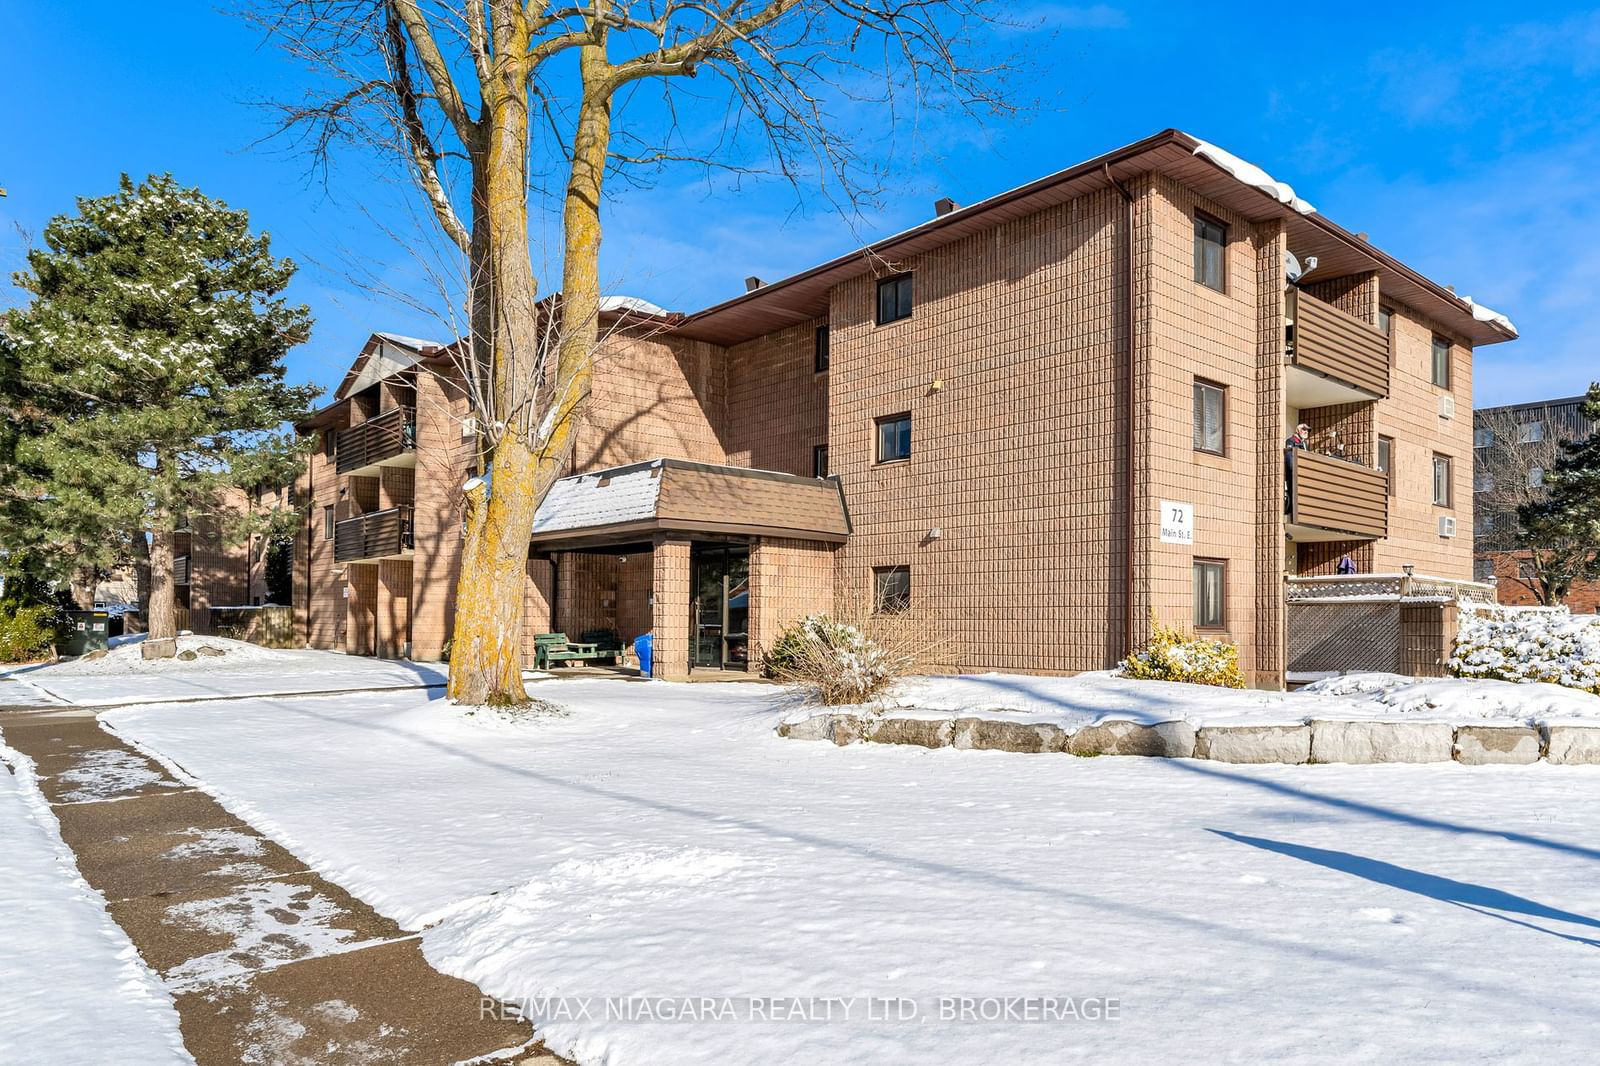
[328,438]
[1210,587]
[894,438]
[894,299]
[1385,319]
[1482,569]
[1441,361]
[1485,523]
[1210,411]
[1483,437]
[1210,240]
[822,349]
[819,461]
[1536,478]
[1484,482]
[1386,460]
[1530,433]
[1441,481]
[891,588]
[327,522]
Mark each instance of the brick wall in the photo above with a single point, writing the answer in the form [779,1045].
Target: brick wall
[1411,416]
[1194,332]
[653,396]
[777,402]
[444,456]
[1271,312]
[670,620]
[219,568]
[1583,599]
[1015,458]
[789,579]
[361,626]
[319,603]
[393,593]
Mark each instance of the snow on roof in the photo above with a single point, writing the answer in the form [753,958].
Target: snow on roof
[1252,175]
[600,499]
[1488,314]
[630,303]
[413,343]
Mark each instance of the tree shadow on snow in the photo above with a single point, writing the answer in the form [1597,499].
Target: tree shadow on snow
[1478,898]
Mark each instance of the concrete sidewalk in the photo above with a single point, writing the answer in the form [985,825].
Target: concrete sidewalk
[267,962]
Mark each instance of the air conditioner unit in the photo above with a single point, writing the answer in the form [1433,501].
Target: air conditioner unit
[469,427]
[1447,406]
[1447,525]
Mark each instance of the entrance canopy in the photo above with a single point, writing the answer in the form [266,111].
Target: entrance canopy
[627,504]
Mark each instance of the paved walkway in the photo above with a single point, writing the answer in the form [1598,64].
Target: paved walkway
[266,961]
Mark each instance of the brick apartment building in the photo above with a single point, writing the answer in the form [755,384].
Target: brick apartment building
[1499,435]
[1042,421]
[211,569]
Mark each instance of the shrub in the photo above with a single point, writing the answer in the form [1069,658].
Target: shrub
[26,633]
[849,658]
[1176,656]
[1529,645]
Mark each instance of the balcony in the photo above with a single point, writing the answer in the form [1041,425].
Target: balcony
[180,570]
[1334,357]
[1332,499]
[373,536]
[389,439]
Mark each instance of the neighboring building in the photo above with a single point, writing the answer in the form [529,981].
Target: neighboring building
[1512,447]
[210,569]
[1045,420]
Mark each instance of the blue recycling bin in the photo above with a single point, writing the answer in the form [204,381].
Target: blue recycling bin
[643,648]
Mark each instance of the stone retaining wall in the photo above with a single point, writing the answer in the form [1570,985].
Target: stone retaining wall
[1320,741]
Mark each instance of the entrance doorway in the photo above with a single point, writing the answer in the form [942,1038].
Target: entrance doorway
[719,607]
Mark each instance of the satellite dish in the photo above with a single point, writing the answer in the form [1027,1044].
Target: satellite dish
[1292,268]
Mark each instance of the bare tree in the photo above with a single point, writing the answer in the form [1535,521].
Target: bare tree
[484,100]
[1515,450]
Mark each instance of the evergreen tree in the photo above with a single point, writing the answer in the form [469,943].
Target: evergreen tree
[143,379]
[1562,531]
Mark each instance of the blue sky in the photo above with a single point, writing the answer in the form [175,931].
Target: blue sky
[1465,138]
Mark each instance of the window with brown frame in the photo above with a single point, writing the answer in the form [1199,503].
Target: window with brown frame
[891,589]
[894,438]
[1442,481]
[1210,593]
[894,299]
[1441,361]
[822,349]
[1386,460]
[327,522]
[1210,417]
[1210,247]
[819,460]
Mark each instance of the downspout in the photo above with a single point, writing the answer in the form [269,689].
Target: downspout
[1128,405]
[311,526]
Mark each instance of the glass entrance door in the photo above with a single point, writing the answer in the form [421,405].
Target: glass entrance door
[719,620]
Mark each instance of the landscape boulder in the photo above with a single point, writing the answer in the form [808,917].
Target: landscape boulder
[1171,740]
[1254,743]
[1482,745]
[158,649]
[1373,742]
[990,734]
[924,733]
[210,650]
[1574,744]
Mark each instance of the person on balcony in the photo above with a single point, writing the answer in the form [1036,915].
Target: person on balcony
[1345,565]
[1301,438]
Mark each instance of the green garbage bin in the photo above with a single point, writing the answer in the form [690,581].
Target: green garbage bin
[86,631]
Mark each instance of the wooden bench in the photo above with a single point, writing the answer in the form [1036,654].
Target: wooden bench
[551,648]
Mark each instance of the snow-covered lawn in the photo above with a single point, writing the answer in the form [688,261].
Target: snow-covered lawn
[658,840]
[72,988]
[124,676]
[1073,702]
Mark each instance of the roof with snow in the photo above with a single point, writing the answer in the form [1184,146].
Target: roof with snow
[631,503]
[1215,173]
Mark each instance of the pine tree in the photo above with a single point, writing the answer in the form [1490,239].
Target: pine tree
[143,379]
[1562,531]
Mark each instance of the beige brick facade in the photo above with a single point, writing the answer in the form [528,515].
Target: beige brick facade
[1039,324]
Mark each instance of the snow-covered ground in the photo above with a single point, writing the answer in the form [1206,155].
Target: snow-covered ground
[1073,702]
[658,840]
[72,987]
[124,676]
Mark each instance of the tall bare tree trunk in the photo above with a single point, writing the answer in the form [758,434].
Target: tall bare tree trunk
[139,545]
[82,585]
[160,612]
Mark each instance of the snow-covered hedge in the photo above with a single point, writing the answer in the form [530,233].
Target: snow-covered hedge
[1539,645]
[843,664]
[1175,656]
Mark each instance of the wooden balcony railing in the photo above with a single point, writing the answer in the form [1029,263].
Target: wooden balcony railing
[377,440]
[1327,341]
[180,570]
[377,535]
[1338,496]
